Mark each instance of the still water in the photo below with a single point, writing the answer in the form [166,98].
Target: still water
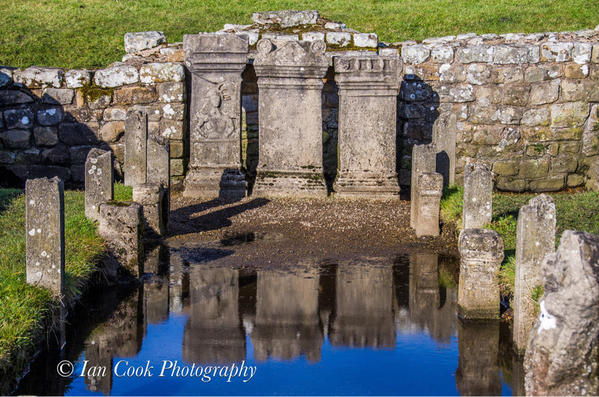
[365,326]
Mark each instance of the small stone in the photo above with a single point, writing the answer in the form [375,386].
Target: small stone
[286,18]
[557,52]
[37,77]
[14,97]
[478,74]
[171,92]
[18,118]
[112,131]
[49,117]
[135,95]
[57,96]
[475,54]
[581,53]
[334,25]
[313,36]
[415,54]
[116,76]
[115,114]
[442,54]
[341,39]
[369,40]
[252,37]
[77,78]
[571,114]
[138,41]
[160,72]
[15,139]
[45,136]
[545,92]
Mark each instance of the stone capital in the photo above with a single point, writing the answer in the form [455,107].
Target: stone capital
[215,52]
[367,75]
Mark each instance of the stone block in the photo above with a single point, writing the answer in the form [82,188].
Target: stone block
[58,154]
[473,54]
[312,36]
[442,54]
[286,18]
[369,40]
[76,134]
[115,114]
[121,226]
[112,131]
[58,96]
[561,354]
[77,78]
[171,92]
[135,95]
[423,161]
[79,153]
[481,254]
[38,77]
[536,116]
[341,39]
[16,139]
[544,92]
[45,244]
[429,189]
[506,168]
[572,114]
[50,116]
[177,168]
[136,135]
[581,53]
[152,73]
[139,41]
[478,74]
[592,176]
[116,76]
[18,118]
[14,97]
[556,52]
[99,178]
[45,136]
[173,111]
[534,168]
[535,238]
[5,77]
[548,184]
[415,54]
[153,198]
[509,54]
[478,196]
[158,161]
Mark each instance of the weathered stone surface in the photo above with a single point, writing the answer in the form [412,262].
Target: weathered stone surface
[442,54]
[58,154]
[77,78]
[152,73]
[116,76]
[475,54]
[561,357]
[136,136]
[216,62]
[290,83]
[18,118]
[45,136]
[286,18]
[481,254]
[423,161]
[121,226]
[536,116]
[369,40]
[592,177]
[478,196]
[112,131]
[135,95]
[15,139]
[115,114]
[504,54]
[535,237]
[429,188]
[57,96]
[45,252]
[340,39]
[556,51]
[158,161]
[76,134]
[171,92]
[155,207]
[5,77]
[571,114]
[14,97]
[444,140]
[37,77]
[50,116]
[311,36]
[368,88]
[415,54]
[139,41]
[79,153]
[99,178]
[544,92]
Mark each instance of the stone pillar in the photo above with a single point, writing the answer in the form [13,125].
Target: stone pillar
[44,213]
[423,160]
[155,301]
[368,88]
[478,196]
[561,356]
[478,362]
[363,314]
[216,62]
[155,209]
[287,328]
[481,254]
[444,141]
[535,237]
[159,170]
[290,116]
[136,137]
[99,179]
[429,190]
[121,225]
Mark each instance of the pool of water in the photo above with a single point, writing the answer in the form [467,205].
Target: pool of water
[196,325]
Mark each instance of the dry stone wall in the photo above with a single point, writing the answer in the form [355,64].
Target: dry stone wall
[526,105]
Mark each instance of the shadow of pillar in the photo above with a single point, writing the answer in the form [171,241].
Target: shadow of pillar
[478,369]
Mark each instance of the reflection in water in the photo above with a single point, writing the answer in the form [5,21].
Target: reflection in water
[363,314]
[367,310]
[287,324]
[213,333]
[478,369]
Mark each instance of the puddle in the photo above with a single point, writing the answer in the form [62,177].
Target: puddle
[365,326]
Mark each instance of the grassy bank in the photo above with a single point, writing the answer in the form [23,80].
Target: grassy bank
[89,33]
[576,211]
[23,308]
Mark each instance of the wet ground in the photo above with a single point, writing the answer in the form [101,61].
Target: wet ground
[295,297]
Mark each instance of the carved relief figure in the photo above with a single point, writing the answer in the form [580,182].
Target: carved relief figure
[212,122]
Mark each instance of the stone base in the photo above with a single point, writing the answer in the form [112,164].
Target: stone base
[481,314]
[367,185]
[222,183]
[285,183]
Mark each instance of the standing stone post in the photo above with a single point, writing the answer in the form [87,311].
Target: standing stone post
[444,141]
[216,62]
[44,213]
[152,197]
[481,254]
[368,88]
[121,225]
[478,196]
[423,160]
[535,237]
[158,173]
[136,137]
[290,117]
[99,178]
[561,356]
[429,189]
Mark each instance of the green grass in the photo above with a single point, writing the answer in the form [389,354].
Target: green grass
[575,211]
[89,33]
[24,309]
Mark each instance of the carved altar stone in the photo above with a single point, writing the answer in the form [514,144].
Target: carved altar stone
[368,88]
[216,62]
[290,82]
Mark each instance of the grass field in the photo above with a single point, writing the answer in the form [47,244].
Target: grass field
[575,211]
[23,308]
[89,33]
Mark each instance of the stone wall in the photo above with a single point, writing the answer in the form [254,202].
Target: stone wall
[526,105]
